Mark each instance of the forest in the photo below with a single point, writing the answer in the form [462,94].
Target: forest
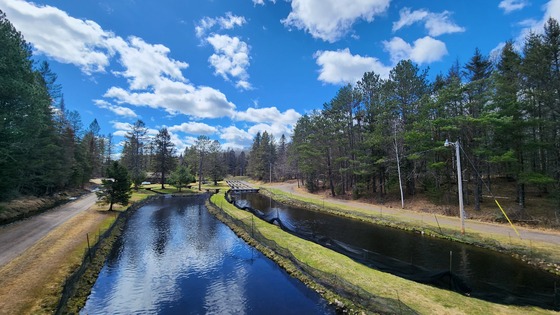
[503,111]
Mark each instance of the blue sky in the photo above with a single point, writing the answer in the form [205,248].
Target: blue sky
[231,68]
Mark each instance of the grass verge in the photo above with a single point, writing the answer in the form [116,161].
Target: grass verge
[391,294]
[79,290]
[543,255]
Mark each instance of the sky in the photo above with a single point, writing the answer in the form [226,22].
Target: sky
[229,69]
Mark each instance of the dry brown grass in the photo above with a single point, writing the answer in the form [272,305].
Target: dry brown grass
[31,283]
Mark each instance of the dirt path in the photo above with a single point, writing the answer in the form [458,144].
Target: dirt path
[17,237]
[35,253]
[413,216]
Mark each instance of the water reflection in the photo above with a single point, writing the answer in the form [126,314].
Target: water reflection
[491,276]
[176,258]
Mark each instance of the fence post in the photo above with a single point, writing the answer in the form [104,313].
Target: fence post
[89,247]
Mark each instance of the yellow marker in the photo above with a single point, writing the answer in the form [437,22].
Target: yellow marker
[507,218]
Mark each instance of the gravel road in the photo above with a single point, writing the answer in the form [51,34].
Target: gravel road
[17,237]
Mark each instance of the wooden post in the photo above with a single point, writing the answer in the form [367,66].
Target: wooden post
[88,246]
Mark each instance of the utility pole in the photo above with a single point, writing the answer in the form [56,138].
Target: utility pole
[459,181]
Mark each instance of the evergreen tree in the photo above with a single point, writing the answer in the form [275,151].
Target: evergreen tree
[116,188]
[181,176]
[133,152]
[198,155]
[164,151]
[215,163]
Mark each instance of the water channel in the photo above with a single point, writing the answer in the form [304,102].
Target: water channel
[174,257]
[488,275]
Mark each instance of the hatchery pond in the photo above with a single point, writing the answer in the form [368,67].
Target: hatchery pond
[174,257]
[467,269]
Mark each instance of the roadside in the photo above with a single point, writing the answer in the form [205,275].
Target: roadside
[17,237]
[31,282]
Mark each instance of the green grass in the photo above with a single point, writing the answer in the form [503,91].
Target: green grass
[541,254]
[387,288]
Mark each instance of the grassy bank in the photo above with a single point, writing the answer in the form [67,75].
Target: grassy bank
[91,266]
[544,255]
[392,294]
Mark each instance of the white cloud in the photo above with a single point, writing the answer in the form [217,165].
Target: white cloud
[122,126]
[268,115]
[194,128]
[424,50]
[512,5]
[178,98]
[118,110]
[54,33]
[277,130]
[436,23]
[233,134]
[155,80]
[268,119]
[227,22]
[261,2]
[145,63]
[329,20]
[340,67]
[230,59]
[551,10]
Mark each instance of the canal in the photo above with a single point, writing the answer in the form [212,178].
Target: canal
[480,273]
[174,257]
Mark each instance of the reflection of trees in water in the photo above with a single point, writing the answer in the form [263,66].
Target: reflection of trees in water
[492,276]
[175,257]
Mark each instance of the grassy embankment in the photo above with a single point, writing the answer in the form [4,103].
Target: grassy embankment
[393,294]
[86,282]
[541,254]
[77,301]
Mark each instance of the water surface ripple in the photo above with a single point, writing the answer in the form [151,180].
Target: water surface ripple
[174,257]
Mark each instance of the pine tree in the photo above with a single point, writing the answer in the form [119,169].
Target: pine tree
[116,188]
[181,176]
[164,151]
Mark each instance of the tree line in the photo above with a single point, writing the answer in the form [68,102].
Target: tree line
[43,146]
[504,113]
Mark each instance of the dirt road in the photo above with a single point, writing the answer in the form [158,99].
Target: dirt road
[17,237]
[37,254]
[552,237]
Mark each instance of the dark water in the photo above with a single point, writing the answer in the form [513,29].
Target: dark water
[491,276]
[176,258]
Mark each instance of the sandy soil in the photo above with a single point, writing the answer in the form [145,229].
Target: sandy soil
[34,253]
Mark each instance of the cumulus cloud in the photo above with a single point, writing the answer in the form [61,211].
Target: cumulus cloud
[177,98]
[340,67]
[154,79]
[236,137]
[194,128]
[261,2]
[145,63]
[230,59]
[423,51]
[227,22]
[551,10]
[268,115]
[118,110]
[329,20]
[512,5]
[436,23]
[56,34]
